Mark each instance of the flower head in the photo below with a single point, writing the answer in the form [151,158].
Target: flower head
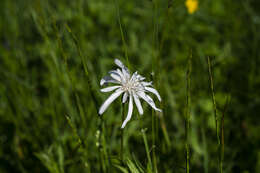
[133,87]
[192,5]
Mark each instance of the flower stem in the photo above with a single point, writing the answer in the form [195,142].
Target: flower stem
[154,136]
[121,32]
[147,149]
[153,142]
[215,113]
[187,116]
[213,99]
[122,136]
[219,121]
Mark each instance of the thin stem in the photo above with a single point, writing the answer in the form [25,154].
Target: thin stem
[155,38]
[147,149]
[153,142]
[215,113]
[213,98]
[122,33]
[204,144]
[122,136]
[154,122]
[222,134]
[146,145]
[187,117]
[104,148]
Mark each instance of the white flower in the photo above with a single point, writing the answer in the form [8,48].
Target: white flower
[132,87]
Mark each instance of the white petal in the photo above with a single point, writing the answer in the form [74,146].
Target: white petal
[114,72]
[102,82]
[154,91]
[153,104]
[108,89]
[130,111]
[149,100]
[117,72]
[125,70]
[138,104]
[123,79]
[119,63]
[116,77]
[139,77]
[126,73]
[133,76]
[110,99]
[107,79]
[125,97]
[147,83]
[120,72]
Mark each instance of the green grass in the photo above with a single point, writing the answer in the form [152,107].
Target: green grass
[54,53]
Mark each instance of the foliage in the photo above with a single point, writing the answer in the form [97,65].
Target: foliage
[53,54]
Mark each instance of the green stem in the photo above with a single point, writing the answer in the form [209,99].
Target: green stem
[122,33]
[187,117]
[104,149]
[103,156]
[154,136]
[213,99]
[155,38]
[215,113]
[222,134]
[153,142]
[147,149]
[122,136]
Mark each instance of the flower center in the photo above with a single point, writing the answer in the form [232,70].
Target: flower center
[132,86]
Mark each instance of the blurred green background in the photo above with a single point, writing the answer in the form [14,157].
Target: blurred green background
[48,117]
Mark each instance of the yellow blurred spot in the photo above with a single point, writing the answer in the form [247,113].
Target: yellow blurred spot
[192,5]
